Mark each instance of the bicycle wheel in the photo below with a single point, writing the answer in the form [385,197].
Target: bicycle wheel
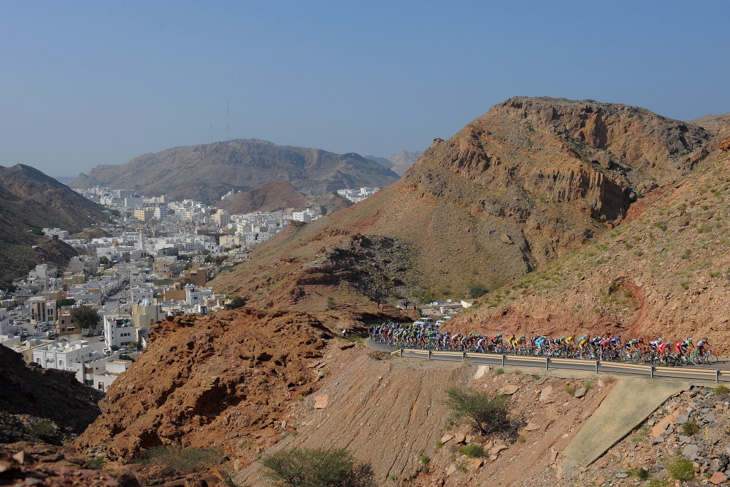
[711,358]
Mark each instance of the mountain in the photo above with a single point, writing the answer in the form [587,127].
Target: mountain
[662,273]
[399,162]
[267,197]
[529,181]
[206,172]
[30,201]
[403,160]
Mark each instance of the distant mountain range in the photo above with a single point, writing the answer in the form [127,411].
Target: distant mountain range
[398,162]
[206,172]
[30,201]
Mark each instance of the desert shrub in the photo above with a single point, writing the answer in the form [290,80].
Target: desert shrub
[45,430]
[439,443]
[314,467]
[96,463]
[690,428]
[477,291]
[681,469]
[640,473]
[424,459]
[184,460]
[237,302]
[471,451]
[569,389]
[485,412]
[721,390]
[331,303]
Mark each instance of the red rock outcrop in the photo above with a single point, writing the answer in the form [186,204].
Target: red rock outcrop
[210,381]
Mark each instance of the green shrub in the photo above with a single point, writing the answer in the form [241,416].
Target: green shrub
[314,467]
[424,459]
[640,473]
[500,371]
[485,412]
[471,451]
[477,291]
[184,460]
[569,389]
[42,429]
[721,390]
[237,302]
[96,463]
[690,428]
[681,469]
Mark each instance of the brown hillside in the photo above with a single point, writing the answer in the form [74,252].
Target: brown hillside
[662,273]
[30,201]
[32,394]
[206,172]
[273,196]
[527,182]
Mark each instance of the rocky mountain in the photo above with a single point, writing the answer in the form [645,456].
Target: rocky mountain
[30,201]
[529,181]
[206,172]
[399,162]
[662,273]
[267,197]
[403,160]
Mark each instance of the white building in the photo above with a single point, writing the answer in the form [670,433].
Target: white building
[196,296]
[114,368]
[62,355]
[137,294]
[118,331]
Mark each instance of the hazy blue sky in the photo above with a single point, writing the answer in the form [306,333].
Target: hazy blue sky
[100,82]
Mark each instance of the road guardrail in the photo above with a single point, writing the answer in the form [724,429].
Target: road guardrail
[548,363]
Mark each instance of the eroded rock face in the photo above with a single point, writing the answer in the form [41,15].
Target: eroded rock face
[210,381]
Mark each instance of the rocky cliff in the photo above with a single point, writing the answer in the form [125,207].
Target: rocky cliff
[206,172]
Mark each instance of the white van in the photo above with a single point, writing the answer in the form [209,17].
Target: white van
[424,321]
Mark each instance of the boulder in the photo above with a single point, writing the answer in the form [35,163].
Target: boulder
[691,452]
[459,438]
[718,478]
[320,402]
[508,390]
[580,393]
[546,394]
[446,438]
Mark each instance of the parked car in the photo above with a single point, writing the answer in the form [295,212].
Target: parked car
[106,351]
[101,338]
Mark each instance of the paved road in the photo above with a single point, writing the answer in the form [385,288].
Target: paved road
[692,373]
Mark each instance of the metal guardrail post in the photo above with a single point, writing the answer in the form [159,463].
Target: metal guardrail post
[401,353]
[652,371]
[503,357]
[463,356]
[598,362]
[429,354]
[717,376]
[547,363]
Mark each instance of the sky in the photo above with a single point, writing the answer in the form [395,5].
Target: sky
[100,82]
